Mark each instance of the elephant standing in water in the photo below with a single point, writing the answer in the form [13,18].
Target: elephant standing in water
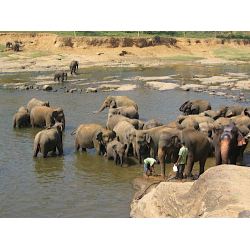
[48,140]
[35,102]
[198,148]
[116,102]
[92,136]
[21,118]
[115,150]
[228,142]
[228,111]
[59,76]
[129,112]
[195,107]
[113,120]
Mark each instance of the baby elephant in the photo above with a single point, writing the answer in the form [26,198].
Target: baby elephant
[49,140]
[73,67]
[59,76]
[21,118]
[116,149]
[130,112]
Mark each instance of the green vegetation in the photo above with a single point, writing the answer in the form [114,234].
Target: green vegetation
[40,54]
[13,58]
[188,34]
[184,57]
[2,47]
[232,54]
[5,54]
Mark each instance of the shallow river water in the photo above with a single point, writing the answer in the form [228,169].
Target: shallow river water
[83,184]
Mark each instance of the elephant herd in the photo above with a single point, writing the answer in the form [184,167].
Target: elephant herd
[15,45]
[60,76]
[223,133]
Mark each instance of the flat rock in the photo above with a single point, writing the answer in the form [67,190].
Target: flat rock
[47,87]
[162,85]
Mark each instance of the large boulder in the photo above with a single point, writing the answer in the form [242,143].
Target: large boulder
[221,192]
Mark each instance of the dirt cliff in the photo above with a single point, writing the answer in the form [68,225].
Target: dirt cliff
[221,192]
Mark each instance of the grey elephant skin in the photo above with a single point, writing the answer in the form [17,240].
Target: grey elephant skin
[195,107]
[89,136]
[197,145]
[116,102]
[129,112]
[45,116]
[153,123]
[21,118]
[15,46]
[35,102]
[115,150]
[60,76]
[113,120]
[73,67]
[48,140]
[126,134]
[228,111]
[228,142]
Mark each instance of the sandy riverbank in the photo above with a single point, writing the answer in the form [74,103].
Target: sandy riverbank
[48,52]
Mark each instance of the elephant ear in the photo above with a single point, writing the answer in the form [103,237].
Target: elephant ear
[112,104]
[99,136]
[229,113]
[241,139]
[148,138]
[54,114]
[175,140]
[183,105]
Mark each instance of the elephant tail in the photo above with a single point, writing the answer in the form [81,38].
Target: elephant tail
[73,132]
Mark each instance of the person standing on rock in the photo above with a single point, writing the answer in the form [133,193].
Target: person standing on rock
[149,166]
[182,160]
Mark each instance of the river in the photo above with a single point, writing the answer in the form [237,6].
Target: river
[83,184]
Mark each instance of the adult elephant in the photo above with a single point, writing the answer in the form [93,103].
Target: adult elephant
[113,120]
[73,67]
[228,111]
[222,121]
[129,112]
[60,76]
[116,102]
[8,44]
[195,107]
[89,136]
[115,150]
[153,123]
[21,118]
[35,102]
[197,145]
[126,134]
[148,139]
[15,46]
[45,116]
[49,140]
[241,119]
[228,142]
[198,118]
[206,128]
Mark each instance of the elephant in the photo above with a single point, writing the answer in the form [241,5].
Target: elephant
[35,102]
[153,123]
[48,140]
[206,128]
[147,140]
[125,133]
[15,46]
[210,113]
[246,111]
[241,119]
[221,121]
[228,111]
[42,115]
[195,107]
[116,102]
[228,141]
[197,145]
[73,66]
[188,123]
[198,118]
[92,136]
[113,120]
[115,150]
[22,117]
[129,112]
[60,75]
[8,44]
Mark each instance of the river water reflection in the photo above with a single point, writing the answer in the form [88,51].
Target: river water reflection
[83,184]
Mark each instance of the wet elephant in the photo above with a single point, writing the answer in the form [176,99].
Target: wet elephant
[130,112]
[113,120]
[115,150]
[49,140]
[45,116]
[125,132]
[116,102]
[35,102]
[241,119]
[228,142]
[89,136]
[228,111]
[246,111]
[153,123]
[195,107]
[73,67]
[197,145]
[21,118]
[60,76]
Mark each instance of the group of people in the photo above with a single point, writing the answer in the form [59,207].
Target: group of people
[149,163]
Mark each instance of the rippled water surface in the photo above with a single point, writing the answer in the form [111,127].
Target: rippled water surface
[82,184]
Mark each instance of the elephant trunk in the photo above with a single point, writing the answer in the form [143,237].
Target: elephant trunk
[121,159]
[63,122]
[101,109]
[161,158]
[225,147]
[183,105]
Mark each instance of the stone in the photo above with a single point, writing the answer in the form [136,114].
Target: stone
[89,90]
[47,87]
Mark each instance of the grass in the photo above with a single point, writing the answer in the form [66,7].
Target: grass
[13,58]
[5,54]
[2,47]
[40,54]
[232,54]
[183,57]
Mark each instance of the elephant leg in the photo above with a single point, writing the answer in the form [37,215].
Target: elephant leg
[189,166]
[202,166]
[161,157]
[97,146]
[60,148]
[77,146]
[218,157]
[115,158]
[36,150]
[126,151]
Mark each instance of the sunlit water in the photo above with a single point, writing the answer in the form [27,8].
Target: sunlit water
[83,184]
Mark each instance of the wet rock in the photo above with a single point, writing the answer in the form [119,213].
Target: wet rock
[185,88]
[220,93]
[46,87]
[72,90]
[162,85]
[23,87]
[91,90]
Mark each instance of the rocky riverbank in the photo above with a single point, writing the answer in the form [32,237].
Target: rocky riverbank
[221,192]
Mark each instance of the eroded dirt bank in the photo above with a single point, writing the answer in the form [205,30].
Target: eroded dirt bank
[49,52]
[221,192]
